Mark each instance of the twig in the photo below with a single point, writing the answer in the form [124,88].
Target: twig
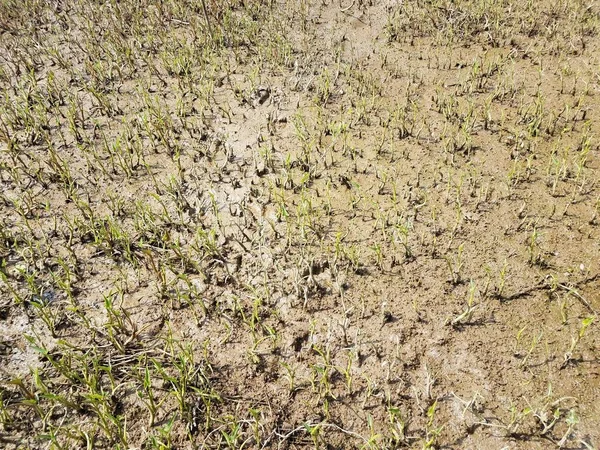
[579,297]
[347,7]
[207,20]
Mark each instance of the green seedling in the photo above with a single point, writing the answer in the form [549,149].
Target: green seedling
[465,316]
[534,343]
[314,432]
[499,291]
[585,324]
[431,433]
[455,265]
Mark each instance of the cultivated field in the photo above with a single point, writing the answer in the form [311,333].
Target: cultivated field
[296,224]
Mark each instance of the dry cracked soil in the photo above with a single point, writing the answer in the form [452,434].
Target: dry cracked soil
[299,224]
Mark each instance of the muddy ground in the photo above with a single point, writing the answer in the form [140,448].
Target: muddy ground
[299,224]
